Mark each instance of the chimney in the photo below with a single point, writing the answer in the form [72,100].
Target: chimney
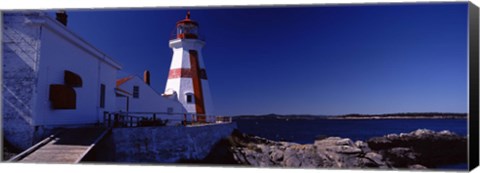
[146,77]
[62,16]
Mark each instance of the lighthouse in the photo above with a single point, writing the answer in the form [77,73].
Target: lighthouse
[187,78]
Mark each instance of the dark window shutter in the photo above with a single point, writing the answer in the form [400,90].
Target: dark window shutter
[72,79]
[62,97]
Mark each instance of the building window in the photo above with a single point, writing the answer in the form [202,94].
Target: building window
[189,97]
[102,95]
[169,110]
[136,91]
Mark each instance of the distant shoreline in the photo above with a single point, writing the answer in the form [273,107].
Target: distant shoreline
[357,116]
[397,117]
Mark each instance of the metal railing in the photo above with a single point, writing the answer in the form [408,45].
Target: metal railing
[144,119]
[173,35]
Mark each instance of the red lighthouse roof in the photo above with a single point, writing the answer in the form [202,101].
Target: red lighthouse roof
[187,28]
[187,20]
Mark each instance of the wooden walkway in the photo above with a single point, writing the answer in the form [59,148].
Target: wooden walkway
[69,146]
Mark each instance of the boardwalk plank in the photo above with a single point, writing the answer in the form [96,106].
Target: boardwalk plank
[67,147]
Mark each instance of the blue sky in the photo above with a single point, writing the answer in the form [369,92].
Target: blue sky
[325,60]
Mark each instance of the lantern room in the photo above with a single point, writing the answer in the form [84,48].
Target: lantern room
[187,28]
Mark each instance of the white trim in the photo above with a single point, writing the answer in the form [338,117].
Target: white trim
[182,43]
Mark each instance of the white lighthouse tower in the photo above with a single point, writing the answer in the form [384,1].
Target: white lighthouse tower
[187,78]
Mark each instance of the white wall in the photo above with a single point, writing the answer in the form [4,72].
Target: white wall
[181,59]
[120,104]
[149,100]
[60,53]
[36,51]
[182,86]
[108,76]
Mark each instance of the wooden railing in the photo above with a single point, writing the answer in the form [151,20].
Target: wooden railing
[142,119]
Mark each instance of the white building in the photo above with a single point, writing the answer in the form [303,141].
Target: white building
[135,95]
[51,77]
[187,78]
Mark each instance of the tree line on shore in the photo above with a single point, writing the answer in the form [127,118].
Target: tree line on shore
[356,116]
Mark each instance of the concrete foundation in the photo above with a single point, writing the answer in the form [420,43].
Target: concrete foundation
[167,144]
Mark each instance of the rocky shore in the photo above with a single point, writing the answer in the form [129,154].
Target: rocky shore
[420,149]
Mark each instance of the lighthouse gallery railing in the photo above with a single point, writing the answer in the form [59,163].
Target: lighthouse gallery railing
[143,119]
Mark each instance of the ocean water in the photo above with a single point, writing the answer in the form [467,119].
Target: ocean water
[306,131]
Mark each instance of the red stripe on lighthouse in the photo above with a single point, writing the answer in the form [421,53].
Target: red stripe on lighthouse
[185,73]
[179,73]
[197,83]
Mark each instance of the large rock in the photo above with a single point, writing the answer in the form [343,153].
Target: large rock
[331,152]
[421,147]
[375,158]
